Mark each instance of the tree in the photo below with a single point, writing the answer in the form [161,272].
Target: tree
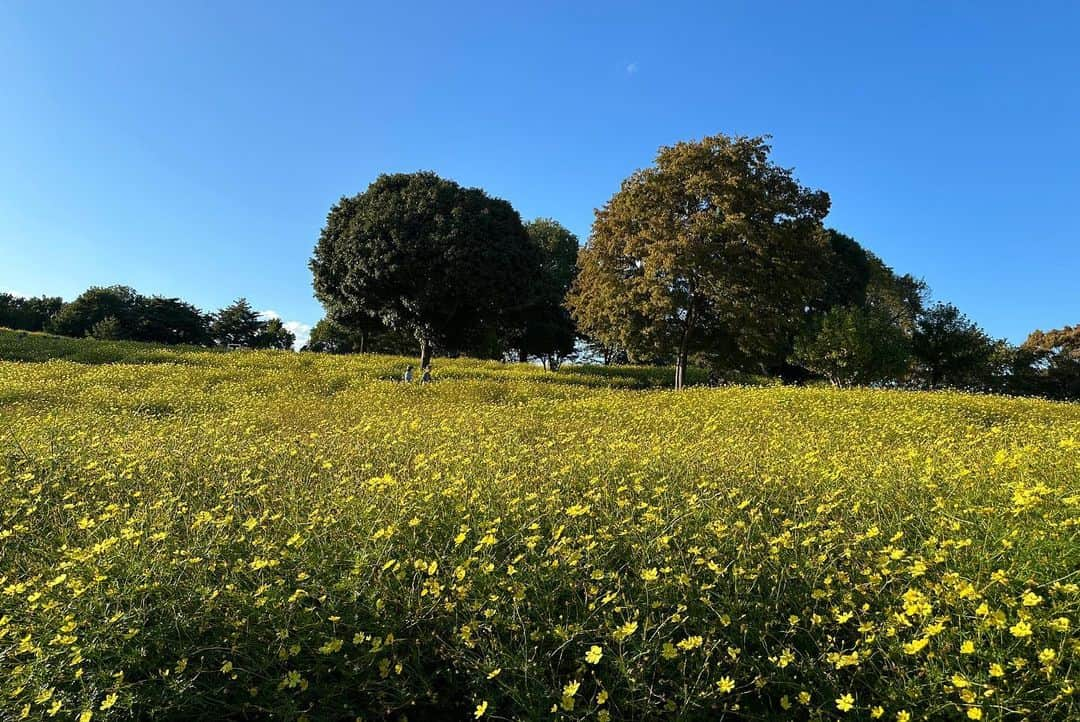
[96,304]
[949,349]
[713,249]
[171,321]
[330,337]
[107,329]
[1052,360]
[28,314]
[449,265]
[547,330]
[274,335]
[852,277]
[370,337]
[855,345]
[238,324]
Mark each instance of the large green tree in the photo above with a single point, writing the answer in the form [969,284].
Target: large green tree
[547,331]
[1052,362]
[171,321]
[273,334]
[950,349]
[855,345]
[713,249]
[452,266]
[96,304]
[858,281]
[238,324]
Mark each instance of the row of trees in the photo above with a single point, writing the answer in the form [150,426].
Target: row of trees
[713,255]
[121,313]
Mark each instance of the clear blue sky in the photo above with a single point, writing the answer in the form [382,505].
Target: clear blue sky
[194,150]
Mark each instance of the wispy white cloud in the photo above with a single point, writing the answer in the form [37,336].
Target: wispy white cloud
[301,330]
[632,68]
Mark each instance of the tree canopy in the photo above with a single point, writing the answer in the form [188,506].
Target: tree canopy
[950,350]
[713,249]
[547,331]
[450,265]
[28,314]
[238,324]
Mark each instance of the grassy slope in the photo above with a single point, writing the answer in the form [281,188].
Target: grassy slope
[246,532]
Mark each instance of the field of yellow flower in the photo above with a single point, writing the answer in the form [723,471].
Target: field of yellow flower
[251,535]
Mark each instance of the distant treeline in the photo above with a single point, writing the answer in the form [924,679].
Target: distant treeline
[713,257]
[121,313]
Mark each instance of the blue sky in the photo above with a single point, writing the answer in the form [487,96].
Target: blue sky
[193,148]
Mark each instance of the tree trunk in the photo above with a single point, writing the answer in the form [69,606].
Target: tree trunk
[680,369]
[425,353]
[684,345]
[362,338]
[522,356]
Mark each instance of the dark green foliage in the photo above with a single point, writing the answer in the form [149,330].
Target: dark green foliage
[950,350]
[423,255]
[547,331]
[273,334]
[28,314]
[238,324]
[78,318]
[855,345]
[370,336]
[1050,364]
[120,312]
[107,329]
[172,321]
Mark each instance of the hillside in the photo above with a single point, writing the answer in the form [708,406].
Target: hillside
[188,534]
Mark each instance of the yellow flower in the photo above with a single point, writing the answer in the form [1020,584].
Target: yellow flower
[903,716]
[650,574]
[690,643]
[959,682]
[571,689]
[845,703]
[1021,629]
[109,701]
[968,647]
[877,712]
[625,631]
[480,710]
[916,645]
[725,685]
[594,654]
[974,713]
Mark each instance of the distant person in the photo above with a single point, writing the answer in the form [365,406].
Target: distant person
[408,374]
[426,378]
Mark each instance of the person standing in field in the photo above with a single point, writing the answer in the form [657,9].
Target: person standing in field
[408,374]
[426,378]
